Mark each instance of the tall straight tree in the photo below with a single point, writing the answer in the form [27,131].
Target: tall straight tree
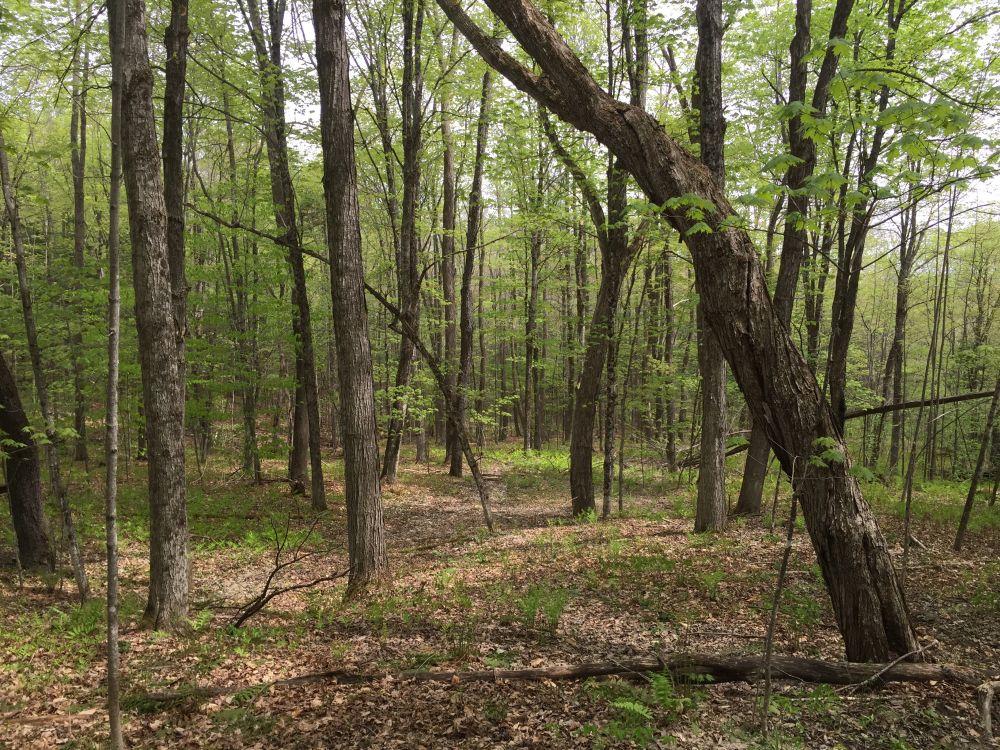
[365,527]
[78,162]
[473,225]
[776,381]
[111,414]
[267,45]
[407,260]
[172,151]
[159,357]
[710,514]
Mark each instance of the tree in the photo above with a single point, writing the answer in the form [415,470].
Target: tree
[41,381]
[24,482]
[795,240]
[159,355]
[711,509]
[267,47]
[366,530]
[775,379]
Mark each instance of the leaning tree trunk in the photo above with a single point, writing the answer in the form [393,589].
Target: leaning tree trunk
[159,357]
[365,527]
[775,378]
[24,482]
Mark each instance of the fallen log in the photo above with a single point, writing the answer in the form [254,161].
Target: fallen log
[696,668]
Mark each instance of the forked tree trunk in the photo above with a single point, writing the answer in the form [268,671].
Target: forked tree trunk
[365,527]
[777,382]
[162,387]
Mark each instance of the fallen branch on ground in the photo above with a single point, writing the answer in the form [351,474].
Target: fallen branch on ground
[691,667]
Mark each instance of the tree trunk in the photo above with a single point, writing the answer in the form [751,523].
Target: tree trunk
[78,160]
[978,472]
[777,382]
[24,483]
[116,741]
[365,527]
[795,240]
[162,386]
[409,242]
[711,508]
[467,324]
[41,383]
[269,63]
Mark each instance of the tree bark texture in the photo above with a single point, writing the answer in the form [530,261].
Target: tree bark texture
[775,378]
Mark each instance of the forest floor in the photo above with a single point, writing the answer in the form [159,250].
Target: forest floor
[545,590]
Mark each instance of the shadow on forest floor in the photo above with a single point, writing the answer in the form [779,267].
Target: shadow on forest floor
[545,590]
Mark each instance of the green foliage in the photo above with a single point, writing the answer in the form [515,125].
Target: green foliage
[542,605]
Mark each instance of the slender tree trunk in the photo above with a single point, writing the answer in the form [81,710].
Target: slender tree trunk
[78,159]
[41,382]
[795,240]
[453,455]
[977,474]
[269,63]
[468,268]
[409,241]
[711,508]
[115,18]
[160,359]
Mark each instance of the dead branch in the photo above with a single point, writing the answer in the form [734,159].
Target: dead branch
[697,668]
[268,593]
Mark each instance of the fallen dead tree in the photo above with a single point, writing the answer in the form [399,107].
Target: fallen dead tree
[699,668]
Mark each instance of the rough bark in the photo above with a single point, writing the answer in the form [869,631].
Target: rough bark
[24,481]
[162,387]
[365,527]
[175,42]
[711,508]
[779,386]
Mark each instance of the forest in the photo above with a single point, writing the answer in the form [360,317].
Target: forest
[500,374]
